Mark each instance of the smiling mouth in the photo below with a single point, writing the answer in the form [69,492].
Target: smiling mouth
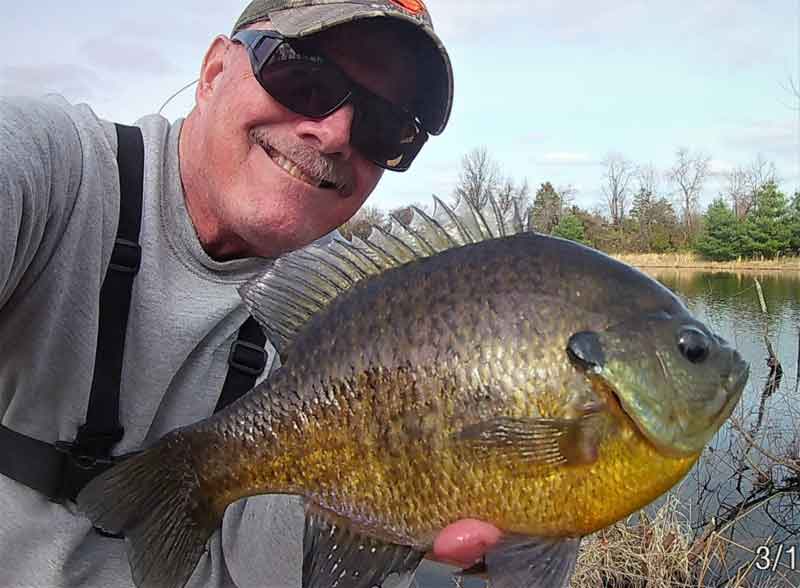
[294,170]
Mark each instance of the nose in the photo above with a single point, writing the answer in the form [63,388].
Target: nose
[330,135]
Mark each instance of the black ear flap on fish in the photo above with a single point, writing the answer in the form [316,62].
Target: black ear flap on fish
[336,556]
[586,349]
[538,440]
[303,282]
[531,562]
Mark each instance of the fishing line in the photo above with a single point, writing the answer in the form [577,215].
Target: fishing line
[168,100]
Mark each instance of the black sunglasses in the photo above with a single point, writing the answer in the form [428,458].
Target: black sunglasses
[306,83]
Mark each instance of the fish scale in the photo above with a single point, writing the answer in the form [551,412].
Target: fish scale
[522,380]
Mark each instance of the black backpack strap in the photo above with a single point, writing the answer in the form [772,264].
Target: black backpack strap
[90,453]
[61,471]
[246,361]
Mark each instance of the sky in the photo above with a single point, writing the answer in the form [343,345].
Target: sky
[548,87]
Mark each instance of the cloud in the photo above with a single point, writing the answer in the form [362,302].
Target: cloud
[74,82]
[566,158]
[771,137]
[119,55]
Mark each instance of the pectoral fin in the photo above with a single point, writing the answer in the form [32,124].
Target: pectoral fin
[549,441]
[336,556]
[529,562]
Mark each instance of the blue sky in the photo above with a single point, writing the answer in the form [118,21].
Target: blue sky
[548,87]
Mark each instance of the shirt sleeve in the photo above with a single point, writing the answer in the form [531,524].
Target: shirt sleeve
[40,171]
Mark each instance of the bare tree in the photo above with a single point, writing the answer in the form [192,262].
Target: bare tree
[743,182]
[567,194]
[510,193]
[647,179]
[619,172]
[792,86]
[479,177]
[688,175]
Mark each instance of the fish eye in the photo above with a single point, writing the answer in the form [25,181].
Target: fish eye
[694,345]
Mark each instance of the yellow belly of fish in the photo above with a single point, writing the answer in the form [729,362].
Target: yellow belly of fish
[408,496]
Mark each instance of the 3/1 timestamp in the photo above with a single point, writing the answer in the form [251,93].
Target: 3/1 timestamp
[770,557]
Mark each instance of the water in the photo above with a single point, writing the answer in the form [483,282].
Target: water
[735,487]
[735,482]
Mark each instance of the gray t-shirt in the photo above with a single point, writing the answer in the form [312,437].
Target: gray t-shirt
[59,204]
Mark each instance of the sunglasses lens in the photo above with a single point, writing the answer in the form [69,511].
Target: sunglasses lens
[307,88]
[387,136]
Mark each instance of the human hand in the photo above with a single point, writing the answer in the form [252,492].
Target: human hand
[464,542]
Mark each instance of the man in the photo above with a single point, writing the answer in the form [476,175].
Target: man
[289,135]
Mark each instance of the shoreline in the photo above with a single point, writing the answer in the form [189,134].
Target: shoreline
[689,261]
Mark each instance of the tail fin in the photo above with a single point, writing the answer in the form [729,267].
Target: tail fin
[154,499]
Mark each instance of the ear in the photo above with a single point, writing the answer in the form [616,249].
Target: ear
[212,68]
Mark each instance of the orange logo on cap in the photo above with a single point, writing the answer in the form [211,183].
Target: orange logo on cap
[412,6]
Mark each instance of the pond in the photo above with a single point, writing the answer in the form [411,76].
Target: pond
[742,487]
[748,479]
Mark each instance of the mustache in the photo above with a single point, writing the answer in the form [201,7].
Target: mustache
[314,164]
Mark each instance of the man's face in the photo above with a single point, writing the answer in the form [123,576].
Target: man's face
[258,165]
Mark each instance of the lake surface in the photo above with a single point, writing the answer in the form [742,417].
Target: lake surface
[734,480]
[736,485]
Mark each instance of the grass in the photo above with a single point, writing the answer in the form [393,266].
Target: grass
[692,260]
[659,551]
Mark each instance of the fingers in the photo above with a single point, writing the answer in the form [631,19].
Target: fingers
[464,542]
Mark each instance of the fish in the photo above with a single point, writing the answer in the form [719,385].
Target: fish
[458,366]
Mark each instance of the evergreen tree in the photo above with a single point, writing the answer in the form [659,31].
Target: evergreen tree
[794,224]
[547,209]
[767,228]
[665,230]
[721,238]
[654,222]
[570,227]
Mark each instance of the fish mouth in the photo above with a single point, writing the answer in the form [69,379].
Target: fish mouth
[737,378]
[297,171]
[611,399]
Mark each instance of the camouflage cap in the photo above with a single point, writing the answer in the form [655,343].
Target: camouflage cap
[298,18]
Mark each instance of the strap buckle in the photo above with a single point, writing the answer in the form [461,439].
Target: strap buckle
[86,457]
[248,358]
[126,256]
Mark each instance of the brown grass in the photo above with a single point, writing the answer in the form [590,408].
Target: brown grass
[658,552]
[691,260]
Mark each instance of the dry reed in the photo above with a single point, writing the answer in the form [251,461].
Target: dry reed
[691,260]
[661,551]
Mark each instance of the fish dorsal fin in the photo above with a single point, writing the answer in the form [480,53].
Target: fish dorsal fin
[336,556]
[303,282]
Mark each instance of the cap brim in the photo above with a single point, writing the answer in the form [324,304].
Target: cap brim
[435,96]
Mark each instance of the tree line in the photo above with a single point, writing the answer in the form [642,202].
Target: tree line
[644,210]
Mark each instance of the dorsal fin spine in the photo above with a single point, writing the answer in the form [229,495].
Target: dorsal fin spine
[349,262]
[428,248]
[399,242]
[391,260]
[304,282]
[366,259]
[462,229]
[433,223]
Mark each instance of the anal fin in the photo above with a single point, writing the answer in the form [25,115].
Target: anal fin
[337,556]
[531,562]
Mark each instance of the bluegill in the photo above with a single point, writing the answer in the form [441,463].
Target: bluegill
[458,367]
